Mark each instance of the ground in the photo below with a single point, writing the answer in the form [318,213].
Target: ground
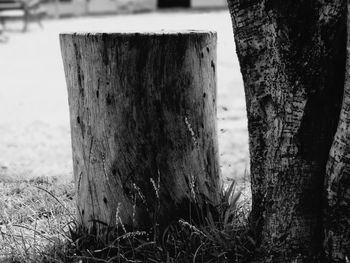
[34,117]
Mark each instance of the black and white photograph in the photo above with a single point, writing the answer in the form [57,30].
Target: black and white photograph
[174,131]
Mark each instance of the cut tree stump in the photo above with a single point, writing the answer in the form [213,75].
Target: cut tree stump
[143,121]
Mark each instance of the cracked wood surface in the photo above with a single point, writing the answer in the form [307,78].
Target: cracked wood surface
[143,116]
[292,58]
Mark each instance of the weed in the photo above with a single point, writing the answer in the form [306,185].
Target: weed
[37,225]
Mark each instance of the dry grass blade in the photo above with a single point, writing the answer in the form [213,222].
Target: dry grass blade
[53,196]
[195,254]
[229,192]
[34,231]
[220,237]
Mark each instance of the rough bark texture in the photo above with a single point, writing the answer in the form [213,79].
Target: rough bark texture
[337,220]
[143,120]
[292,58]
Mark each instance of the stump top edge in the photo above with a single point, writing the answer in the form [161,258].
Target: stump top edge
[141,33]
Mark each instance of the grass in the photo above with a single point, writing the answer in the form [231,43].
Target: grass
[34,226]
[37,224]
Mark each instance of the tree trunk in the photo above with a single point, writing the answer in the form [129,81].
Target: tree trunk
[143,120]
[337,211]
[292,58]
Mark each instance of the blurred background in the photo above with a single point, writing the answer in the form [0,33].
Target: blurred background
[34,118]
[58,8]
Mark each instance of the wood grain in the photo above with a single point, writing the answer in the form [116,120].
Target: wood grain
[143,120]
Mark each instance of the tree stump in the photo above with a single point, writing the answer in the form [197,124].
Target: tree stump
[143,123]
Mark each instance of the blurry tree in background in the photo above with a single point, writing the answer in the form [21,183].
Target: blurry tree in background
[295,64]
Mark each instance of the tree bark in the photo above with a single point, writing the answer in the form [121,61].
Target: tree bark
[143,120]
[337,210]
[292,58]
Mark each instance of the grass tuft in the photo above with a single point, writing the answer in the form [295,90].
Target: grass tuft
[37,224]
[34,227]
